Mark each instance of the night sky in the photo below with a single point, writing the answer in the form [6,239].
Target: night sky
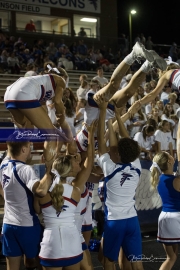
[157,19]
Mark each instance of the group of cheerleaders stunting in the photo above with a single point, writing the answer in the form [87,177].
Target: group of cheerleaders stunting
[66,202]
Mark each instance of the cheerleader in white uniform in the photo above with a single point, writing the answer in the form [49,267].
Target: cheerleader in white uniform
[81,209]
[58,209]
[63,210]
[25,97]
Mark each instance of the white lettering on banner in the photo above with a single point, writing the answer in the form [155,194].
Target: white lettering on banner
[79,5]
[24,8]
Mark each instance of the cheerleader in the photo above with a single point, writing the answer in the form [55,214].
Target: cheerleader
[62,211]
[168,187]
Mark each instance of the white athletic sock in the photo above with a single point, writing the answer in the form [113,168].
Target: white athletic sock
[129,59]
[146,67]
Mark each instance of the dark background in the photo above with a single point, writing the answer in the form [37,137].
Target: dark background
[154,18]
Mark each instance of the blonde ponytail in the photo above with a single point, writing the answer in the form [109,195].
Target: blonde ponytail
[154,177]
[57,198]
[63,166]
[161,159]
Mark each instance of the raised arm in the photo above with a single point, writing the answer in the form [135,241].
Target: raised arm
[113,142]
[100,100]
[85,172]
[122,130]
[131,111]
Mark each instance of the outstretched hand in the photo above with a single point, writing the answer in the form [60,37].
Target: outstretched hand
[134,108]
[100,100]
[92,128]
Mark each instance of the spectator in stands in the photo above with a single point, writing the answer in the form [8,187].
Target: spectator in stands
[110,56]
[13,63]
[25,55]
[65,63]
[142,39]
[168,110]
[107,66]
[31,67]
[68,94]
[30,27]
[172,100]
[73,48]
[83,77]
[51,50]
[138,94]
[173,52]
[102,80]
[153,84]
[160,106]
[149,44]
[6,45]
[82,48]
[147,88]
[145,139]
[35,53]
[40,46]
[163,138]
[165,94]
[82,90]
[18,43]
[155,115]
[149,107]
[3,60]
[82,33]
[79,63]
[137,121]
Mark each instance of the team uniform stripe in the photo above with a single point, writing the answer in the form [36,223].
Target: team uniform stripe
[172,77]
[78,145]
[71,200]
[53,82]
[61,262]
[22,104]
[86,134]
[83,195]
[83,211]
[86,228]
[45,205]
[161,238]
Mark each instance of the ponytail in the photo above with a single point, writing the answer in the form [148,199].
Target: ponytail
[56,196]
[154,177]
[159,165]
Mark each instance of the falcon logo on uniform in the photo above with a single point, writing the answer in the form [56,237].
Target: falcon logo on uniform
[5,180]
[63,209]
[125,176]
[94,3]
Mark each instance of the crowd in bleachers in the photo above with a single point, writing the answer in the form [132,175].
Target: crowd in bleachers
[16,55]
